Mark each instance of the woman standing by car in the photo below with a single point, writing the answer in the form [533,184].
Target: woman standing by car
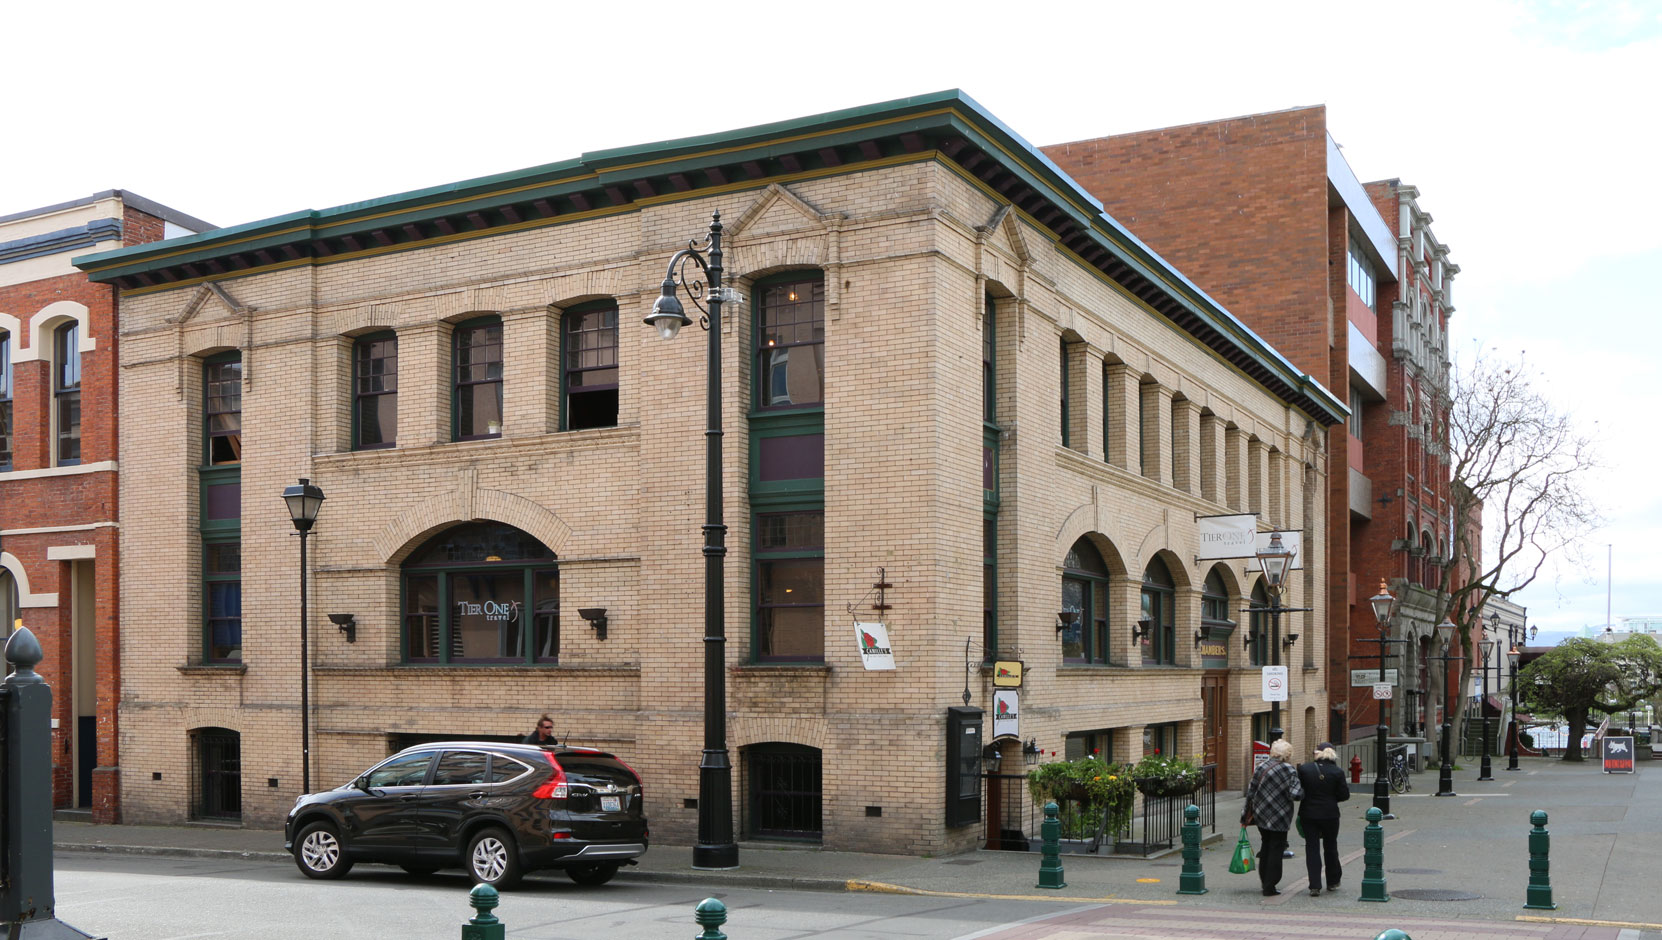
[1324,789]
[1269,805]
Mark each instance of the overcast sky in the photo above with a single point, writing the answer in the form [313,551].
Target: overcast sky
[1529,128]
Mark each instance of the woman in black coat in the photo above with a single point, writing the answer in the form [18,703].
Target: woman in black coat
[1325,788]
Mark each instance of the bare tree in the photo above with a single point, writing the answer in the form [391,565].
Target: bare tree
[1517,465]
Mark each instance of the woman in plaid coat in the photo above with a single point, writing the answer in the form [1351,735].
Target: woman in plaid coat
[1269,805]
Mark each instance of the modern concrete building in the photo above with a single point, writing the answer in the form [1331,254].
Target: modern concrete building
[960,400]
[1264,213]
[58,468]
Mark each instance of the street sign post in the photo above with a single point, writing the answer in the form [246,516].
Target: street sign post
[1382,691]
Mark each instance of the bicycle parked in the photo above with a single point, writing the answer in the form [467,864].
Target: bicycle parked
[1396,769]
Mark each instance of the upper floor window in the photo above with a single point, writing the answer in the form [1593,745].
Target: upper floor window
[590,338]
[989,587]
[1085,601]
[790,339]
[1359,275]
[478,398]
[1063,384]
[1355,420]
[482,592]
[1214,602]
[5,403]
[375,391]
[66,393]
[222,590]
[222,386]
[1159,615]
[790,587]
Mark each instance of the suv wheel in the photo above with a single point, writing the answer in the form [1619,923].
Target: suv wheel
[319,853]
[592,875]
[493,859]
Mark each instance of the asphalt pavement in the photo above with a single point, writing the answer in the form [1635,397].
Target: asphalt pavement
[1451,863]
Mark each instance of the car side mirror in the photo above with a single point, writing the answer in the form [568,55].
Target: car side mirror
[362,783]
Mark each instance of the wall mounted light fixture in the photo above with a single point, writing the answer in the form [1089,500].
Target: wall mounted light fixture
[1289,639]
[1066,618]
[1203,634]
[1143,630]
[596,616]
[347,626]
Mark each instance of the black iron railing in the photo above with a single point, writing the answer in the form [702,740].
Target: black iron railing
[1155,825]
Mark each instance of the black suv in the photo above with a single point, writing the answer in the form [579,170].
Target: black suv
[498,810]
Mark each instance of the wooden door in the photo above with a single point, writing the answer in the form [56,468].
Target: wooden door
[1215,724]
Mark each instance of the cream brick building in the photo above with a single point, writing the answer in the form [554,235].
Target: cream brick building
[892,258]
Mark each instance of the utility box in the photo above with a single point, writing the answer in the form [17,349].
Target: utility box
[963,766]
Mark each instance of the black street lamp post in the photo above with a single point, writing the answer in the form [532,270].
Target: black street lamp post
[1445,770]
[1487,649]
[1512,739]
[1275,560]
[716,848]
[1381,604]
[304,501]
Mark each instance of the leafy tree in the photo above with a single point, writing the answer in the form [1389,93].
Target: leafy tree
[1517,465]
[1579,676]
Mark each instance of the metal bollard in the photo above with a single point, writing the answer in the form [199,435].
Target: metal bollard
[1539,895]
[710,914]
[1193,879]
[1373,858]
[1393,934]
[484,925]
[1050,861]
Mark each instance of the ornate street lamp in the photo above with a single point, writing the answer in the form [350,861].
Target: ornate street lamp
[1275,559]
[1512,743]
[715,848]
[304,501]
[1381,604]
[1445,770]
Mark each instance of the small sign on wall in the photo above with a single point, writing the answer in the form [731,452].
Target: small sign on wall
[1275,683]
[874,645]
[1006,714]
[1007,674]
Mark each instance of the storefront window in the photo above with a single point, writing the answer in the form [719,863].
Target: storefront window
[481,593]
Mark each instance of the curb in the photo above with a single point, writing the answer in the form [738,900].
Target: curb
[168,850]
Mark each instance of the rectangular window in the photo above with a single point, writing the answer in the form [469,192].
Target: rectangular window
[375,391]
[1064,387]
[478,352]
[6,406]
[989,388]
[545,587]
[222,385]
[790,587]
[1359,275]
[1107,413]
[66,393]
[1079,745]
[790,457]
[222,587]
[1160,739]
[791,344]
[591,368]
[989,588]
[486,617]
[421,618]
[1355,412]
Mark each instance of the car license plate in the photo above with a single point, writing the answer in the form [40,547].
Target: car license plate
[611,804]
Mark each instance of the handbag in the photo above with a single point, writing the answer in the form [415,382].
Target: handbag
[1242,862]
[1298,823]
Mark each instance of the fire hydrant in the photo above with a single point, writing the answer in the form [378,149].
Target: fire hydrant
[1355,768]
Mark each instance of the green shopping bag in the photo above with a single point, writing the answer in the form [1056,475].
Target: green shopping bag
[1242,862]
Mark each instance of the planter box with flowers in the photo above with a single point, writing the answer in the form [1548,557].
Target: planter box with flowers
[1162,776]
[1102,791]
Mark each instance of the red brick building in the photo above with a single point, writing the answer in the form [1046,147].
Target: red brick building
[58,465]
[1347,280]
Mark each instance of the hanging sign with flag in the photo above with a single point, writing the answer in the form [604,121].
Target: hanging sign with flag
[874,645]
[1006,715]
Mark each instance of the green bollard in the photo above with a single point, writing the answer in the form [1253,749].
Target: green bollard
[1050,862]
[710,914]
[1393,934]
[484,925]
[1539,895]
[1373,858]
[1193,879]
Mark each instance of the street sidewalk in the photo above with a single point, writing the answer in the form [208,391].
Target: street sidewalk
[1606,850]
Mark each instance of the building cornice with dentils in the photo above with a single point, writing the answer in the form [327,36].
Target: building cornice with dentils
[949,127]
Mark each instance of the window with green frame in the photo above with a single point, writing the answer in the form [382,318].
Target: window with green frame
[1258,633]
[1160,739]
[1063,383]
[1085,599]
[222,595]
[790,340]
[219,495]
[375,391]
[1214,603]
[222,409]
[989,587]
[790,587]
[481,593]
[1079,745]
[1159,615]
[589,377]
[476,402]
[989,479]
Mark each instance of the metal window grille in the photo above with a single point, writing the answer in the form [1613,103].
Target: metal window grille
[219,775]
[785,792]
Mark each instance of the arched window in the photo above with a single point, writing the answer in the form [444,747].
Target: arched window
[1214,604]
[1258,635]
[66,393]
[482,592]
[5,400]
[1085,598]
[1159,615]
[477,352]
[8,603]
[590,376]
[790,342]
[375,391]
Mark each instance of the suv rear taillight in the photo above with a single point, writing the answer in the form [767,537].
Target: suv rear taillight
[640,786]
[555,787]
